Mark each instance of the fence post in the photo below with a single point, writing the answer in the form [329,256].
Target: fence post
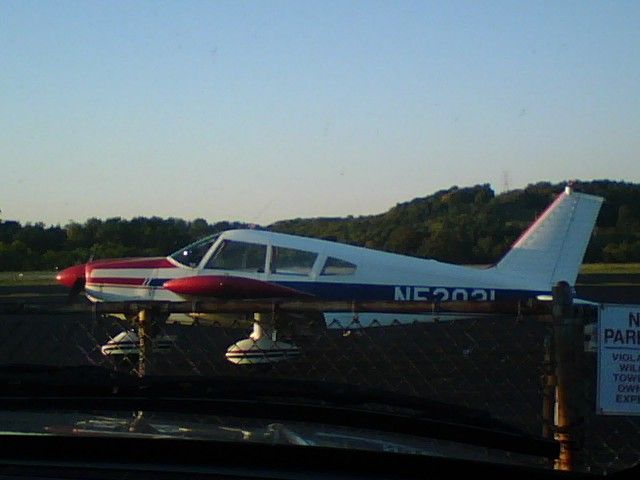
[548,386]
[569,348]
[145,318]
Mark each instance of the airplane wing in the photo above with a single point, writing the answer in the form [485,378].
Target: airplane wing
[227,286]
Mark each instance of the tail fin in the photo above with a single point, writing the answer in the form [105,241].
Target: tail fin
[552,249]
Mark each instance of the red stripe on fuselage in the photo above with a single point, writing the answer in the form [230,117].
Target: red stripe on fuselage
[159,262]
[115,281]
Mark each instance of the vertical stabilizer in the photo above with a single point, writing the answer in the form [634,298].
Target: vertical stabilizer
[552,249]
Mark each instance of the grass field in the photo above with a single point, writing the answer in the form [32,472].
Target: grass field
[49,277]
[612,268]
[27,278]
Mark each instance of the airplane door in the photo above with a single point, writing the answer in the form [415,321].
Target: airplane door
[151,292]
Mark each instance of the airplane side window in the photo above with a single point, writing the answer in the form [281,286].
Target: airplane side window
[290,261]
[232,255]
[335,266]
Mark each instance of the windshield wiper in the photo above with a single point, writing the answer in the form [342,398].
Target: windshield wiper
[97,388]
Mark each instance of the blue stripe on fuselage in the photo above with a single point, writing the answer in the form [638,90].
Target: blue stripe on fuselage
[355,291]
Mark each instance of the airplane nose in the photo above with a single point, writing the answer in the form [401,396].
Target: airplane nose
[72,276]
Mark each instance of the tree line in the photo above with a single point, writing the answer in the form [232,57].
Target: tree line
[469,225]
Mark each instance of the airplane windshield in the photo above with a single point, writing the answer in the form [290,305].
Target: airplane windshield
[191,255]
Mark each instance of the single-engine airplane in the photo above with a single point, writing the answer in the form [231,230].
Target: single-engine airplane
[263,264]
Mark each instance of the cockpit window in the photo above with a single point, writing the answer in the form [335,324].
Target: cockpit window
[243,256]
[335,266]
[290,261]
[191,255]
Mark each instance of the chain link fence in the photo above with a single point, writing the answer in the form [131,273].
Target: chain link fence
[495,364]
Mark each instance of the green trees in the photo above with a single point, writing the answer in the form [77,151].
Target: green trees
[473,225]
[37,247]
[461,225]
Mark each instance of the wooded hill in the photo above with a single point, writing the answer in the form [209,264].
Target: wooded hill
[460,225]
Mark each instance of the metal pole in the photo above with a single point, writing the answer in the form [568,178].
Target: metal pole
[548,386]
[569,348]
[144,326]
[258,330]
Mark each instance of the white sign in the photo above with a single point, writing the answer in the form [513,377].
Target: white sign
[619,360]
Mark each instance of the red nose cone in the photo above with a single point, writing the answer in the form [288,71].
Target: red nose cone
[71,276]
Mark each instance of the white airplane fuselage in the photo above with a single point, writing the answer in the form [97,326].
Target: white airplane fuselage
[550,250]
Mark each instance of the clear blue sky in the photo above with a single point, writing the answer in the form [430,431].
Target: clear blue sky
[265,110]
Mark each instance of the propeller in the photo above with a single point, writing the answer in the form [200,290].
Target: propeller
[74,278]
[75,291]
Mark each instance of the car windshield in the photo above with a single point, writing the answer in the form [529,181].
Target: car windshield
[410,227]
